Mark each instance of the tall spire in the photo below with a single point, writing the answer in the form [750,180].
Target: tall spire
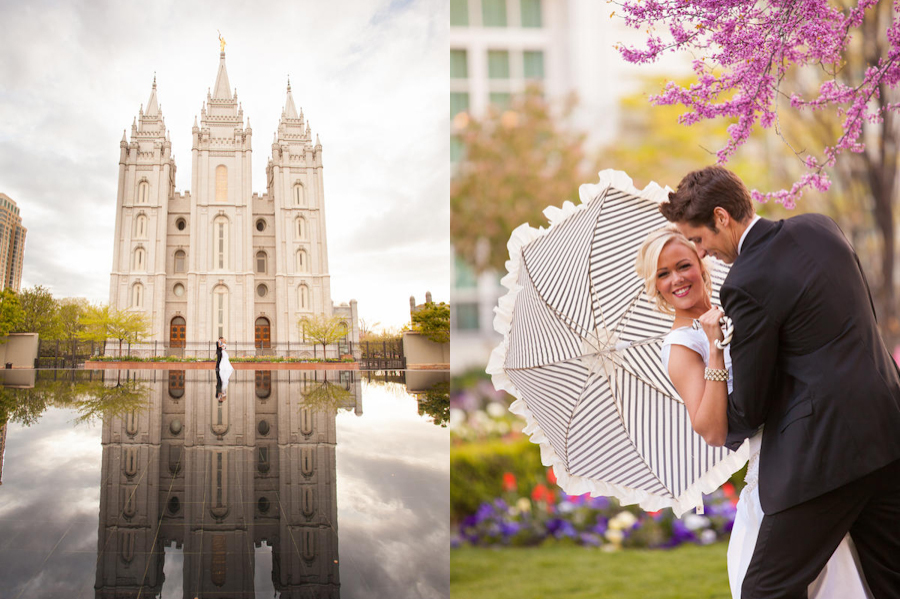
[152,103]
[290,111]
[222,89]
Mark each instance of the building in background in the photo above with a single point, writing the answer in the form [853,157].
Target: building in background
[12,244]
[220,260]
[497,48]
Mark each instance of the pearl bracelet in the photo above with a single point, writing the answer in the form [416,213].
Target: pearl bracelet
[715,374]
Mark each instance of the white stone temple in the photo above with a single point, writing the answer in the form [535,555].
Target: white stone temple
[220,260]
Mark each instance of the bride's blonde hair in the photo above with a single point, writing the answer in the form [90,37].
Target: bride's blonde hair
[647,263]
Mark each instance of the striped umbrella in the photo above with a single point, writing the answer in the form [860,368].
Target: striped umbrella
[581,350]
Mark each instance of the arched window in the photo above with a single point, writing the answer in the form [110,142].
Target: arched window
[139,262]
[180,261]
[220,310]
[140,227]
[302,262]
[221,183]
[299,195]
[261,262]
[143,192]
[137,296]
[303,297]
[220,239]
[301,227]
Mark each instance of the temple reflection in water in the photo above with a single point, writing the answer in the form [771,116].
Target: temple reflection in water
[218,480]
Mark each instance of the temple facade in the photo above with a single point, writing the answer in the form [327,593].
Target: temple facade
[220,260]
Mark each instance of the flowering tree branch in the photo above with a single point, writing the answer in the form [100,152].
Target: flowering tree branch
[746,48]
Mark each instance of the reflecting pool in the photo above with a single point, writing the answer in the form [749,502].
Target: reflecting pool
[298,484]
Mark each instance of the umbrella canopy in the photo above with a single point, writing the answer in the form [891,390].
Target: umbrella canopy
[581,350]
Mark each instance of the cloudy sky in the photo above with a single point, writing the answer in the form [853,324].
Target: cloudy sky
[370,76]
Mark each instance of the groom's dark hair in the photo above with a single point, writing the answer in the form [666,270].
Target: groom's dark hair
[699,192]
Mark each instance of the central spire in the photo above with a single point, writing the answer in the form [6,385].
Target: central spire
[222,89]
[290,110]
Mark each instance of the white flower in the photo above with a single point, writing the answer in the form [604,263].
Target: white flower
[708,536]
[614,536]
[695,522]
[623,521]
[496,410]
[523,505]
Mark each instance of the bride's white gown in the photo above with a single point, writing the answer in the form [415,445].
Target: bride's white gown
[225,369]
[842,576]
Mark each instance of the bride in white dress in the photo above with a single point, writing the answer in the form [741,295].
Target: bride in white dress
[678,280]
[223,372]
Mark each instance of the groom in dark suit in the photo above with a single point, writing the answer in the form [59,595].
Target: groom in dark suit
[810,364]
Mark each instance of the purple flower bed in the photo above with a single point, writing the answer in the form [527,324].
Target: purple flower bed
[592,522]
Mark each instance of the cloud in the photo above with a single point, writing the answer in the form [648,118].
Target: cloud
[371,78]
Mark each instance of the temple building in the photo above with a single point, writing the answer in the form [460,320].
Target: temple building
[220,260]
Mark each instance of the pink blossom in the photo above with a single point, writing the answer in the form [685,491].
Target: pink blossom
[742,51]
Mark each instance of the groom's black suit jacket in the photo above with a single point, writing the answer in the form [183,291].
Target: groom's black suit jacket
[808,362]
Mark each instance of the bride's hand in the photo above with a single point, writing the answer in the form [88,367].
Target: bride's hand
[710,323]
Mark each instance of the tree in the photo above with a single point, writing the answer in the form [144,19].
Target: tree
[323,329]
[39,312]
[746,57]
[10,313]
[70,319]
[433,321]
[101,322]
[128,327]
[516,163]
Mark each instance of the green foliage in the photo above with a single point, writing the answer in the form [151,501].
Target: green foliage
[70,319]
[101,322]
[323,329]
[433,321]
[517,162]
[39,312]
[477,470]
[688,572]
[436,403]
[11,314]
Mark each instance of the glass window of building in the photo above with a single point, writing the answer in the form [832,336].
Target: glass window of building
[459,64]
[180,224]
[180,261]
[500,100]
[220,310]
[261,263]
[143,192]
[137,296]
[459,102]
[459,13]
[260,225]
[534,64]
[303,298]
[139,259]
[262,290]
[457,148]
[220,232]
[301,227]
[493,13]
[299,195]
[498,64]
[531,13]
[301,261]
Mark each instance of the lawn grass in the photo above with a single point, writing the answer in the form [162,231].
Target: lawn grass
[565,572]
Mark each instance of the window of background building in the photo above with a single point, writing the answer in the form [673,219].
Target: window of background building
[459,13]
[301,261]
[301,228]
[260,225]
[459,64]
[456,149]
[531,13]
[303,298]
[501,100]
[137,296]
[459,102]
[534,64]
[493,13]
[466,316]
[498,64]
[181,224]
